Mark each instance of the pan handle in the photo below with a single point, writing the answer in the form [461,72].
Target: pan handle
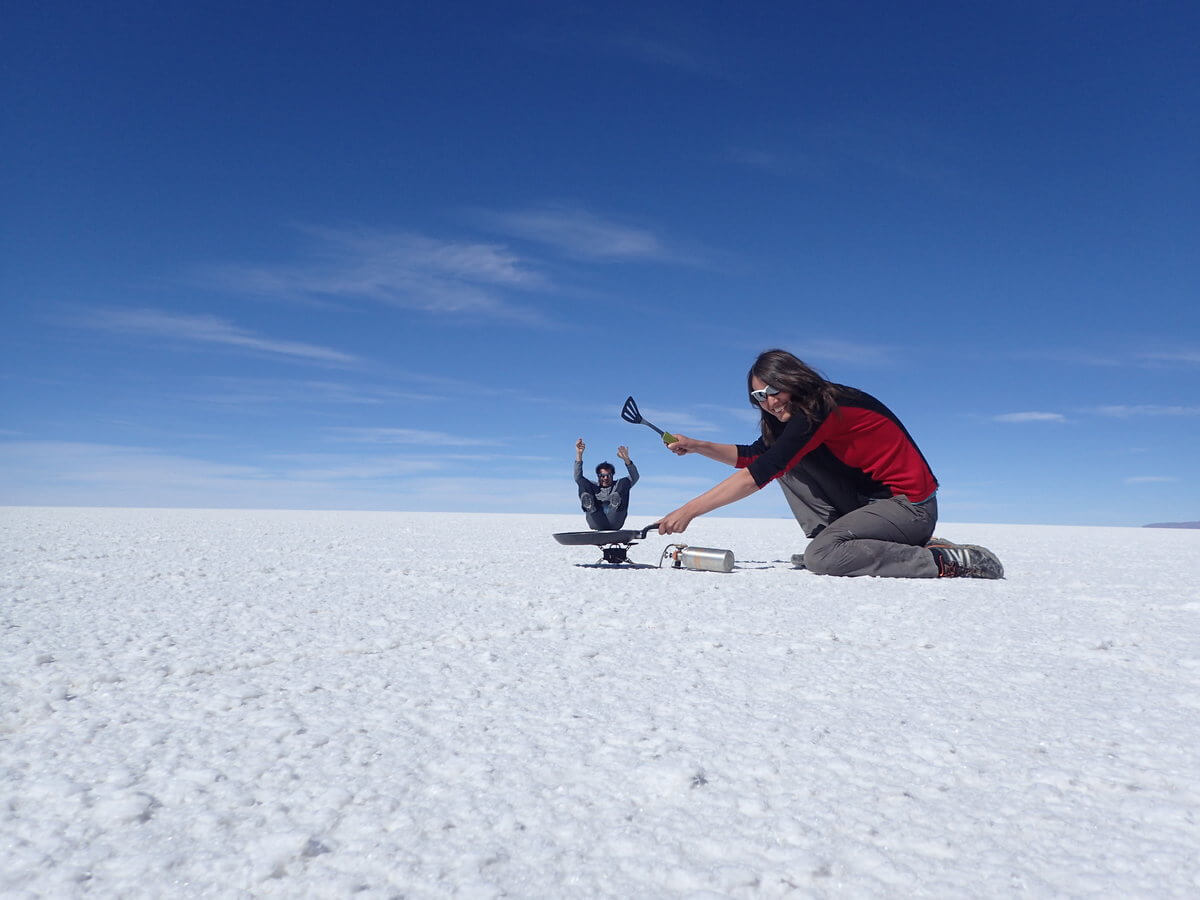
[645,531]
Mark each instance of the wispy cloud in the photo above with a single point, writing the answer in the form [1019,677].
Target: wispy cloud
[760,160]
[205,329]
[90,474]
[1074,357]
[746,416]
[658,51]
[399,269]
[65,463]
[1146,359]
[896,145]
[821,350]
[1126,412]
[407,436]
[359,469]
[1188,356]
[677,420]
[582,235]
[250,392]
[1150,479]
[1030,417]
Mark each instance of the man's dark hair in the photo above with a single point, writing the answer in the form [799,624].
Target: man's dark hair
[612,470]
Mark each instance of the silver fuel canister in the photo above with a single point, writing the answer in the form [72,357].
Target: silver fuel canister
[704,559]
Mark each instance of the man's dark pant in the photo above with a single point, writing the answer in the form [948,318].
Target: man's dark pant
[605,516]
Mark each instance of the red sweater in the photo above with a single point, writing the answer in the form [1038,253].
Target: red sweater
[862,434]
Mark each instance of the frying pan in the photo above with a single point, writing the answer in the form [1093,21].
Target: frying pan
[601,538]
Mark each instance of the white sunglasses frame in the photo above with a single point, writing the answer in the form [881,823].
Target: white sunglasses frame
[761,395]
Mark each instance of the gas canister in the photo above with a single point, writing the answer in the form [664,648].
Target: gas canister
[705,559]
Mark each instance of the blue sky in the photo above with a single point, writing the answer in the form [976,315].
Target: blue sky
[400,256]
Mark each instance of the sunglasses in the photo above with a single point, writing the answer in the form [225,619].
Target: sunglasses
[761,395]
[604,474]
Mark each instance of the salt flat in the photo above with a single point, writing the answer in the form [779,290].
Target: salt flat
[237,704]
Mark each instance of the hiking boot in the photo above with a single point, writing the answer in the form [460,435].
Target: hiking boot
[587,501]
[798,561]
[936,541]
[967,561]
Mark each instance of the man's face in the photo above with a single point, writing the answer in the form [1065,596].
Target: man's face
[605,477]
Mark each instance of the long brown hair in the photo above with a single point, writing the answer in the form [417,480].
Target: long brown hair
[812,396]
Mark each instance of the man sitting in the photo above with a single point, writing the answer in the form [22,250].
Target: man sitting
[605,504]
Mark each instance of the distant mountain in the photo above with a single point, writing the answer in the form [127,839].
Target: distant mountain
[1173,525]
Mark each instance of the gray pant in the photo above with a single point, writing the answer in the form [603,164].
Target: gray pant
[856,535]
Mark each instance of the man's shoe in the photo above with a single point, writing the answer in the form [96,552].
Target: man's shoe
[967,561]
[587,501]
[798,561]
